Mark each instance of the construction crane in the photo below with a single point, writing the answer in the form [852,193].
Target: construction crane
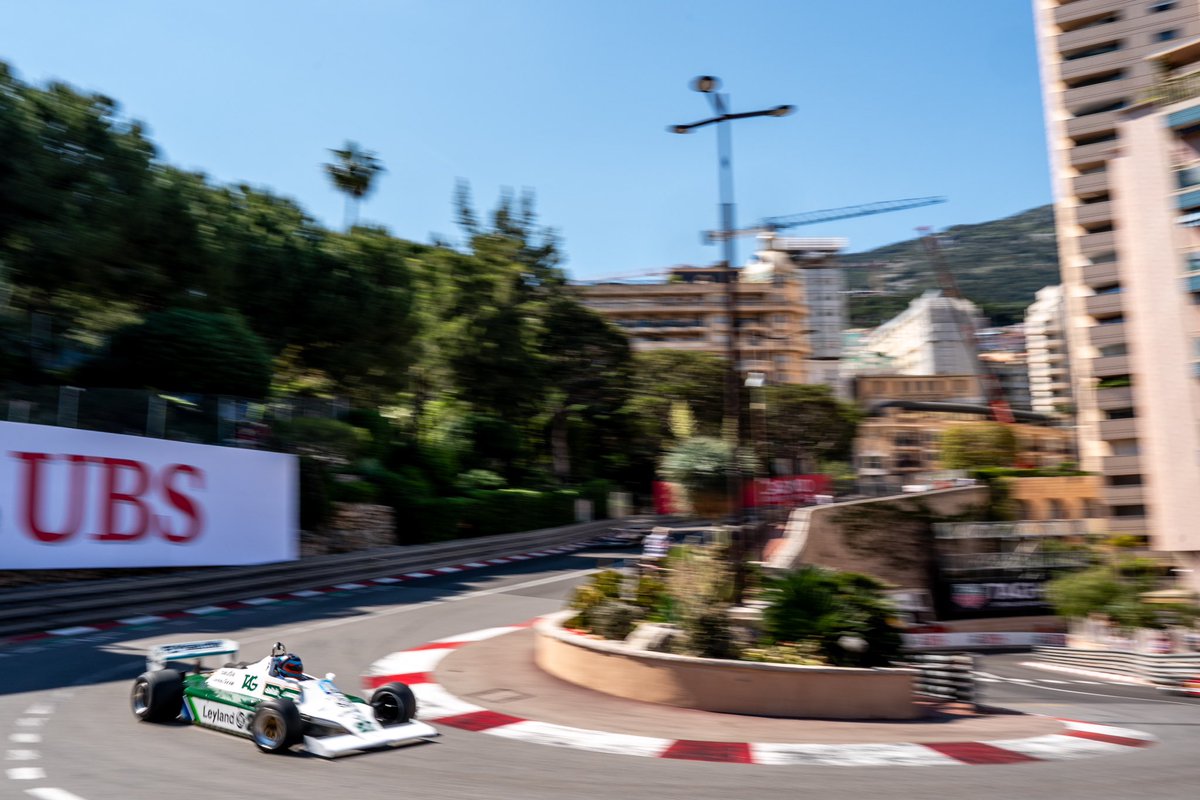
[993,391]
[772,224]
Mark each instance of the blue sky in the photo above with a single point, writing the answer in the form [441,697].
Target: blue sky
[895,98]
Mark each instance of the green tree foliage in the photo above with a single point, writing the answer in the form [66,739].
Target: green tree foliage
[972,445]
[807,424]
[353,173]
[700,464]
[817,605]
[182,350]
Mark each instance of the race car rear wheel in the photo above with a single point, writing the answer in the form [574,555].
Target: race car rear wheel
[276,725]
[157,696]
[394,704]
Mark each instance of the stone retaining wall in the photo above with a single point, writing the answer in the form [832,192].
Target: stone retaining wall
[732,687]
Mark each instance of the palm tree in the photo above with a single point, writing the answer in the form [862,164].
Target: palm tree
[354,173]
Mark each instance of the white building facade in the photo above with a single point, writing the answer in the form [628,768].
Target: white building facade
[1049,361]
[927,337]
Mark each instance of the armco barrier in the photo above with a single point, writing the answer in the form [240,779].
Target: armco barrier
[36,608]
[922,642]
[944,677]
[1165,670]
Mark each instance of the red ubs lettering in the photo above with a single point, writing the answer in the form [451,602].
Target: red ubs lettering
[125,483]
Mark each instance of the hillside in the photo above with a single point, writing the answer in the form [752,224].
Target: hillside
[998,264]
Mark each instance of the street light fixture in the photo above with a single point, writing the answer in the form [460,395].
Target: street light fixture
[708,85]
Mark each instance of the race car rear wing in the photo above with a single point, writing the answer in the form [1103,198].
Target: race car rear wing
[161,655]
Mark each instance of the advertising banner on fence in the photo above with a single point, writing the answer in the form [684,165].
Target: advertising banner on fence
[72,499]
[792,491]
[980,641]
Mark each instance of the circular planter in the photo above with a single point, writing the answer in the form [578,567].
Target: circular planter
[732,687]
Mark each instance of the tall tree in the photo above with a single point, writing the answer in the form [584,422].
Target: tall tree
[354,172]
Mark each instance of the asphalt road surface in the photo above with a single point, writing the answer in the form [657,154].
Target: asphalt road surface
[69,734]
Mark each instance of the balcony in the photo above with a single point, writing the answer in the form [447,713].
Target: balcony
[1068,13]
[1100,274]
[1103,305]
[1086,154]
[1135,526]
[1082,67]
[1122,465]
[1090,184]
[1107,367]
[1094,213]
[1096,93]
[1117,397]
[1093,123]
[1124,495]
[1111,429]
[1086,37]
[1104,335]
[1091,244]
[1174,90]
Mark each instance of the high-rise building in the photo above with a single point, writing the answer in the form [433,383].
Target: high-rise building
[1120,93]
[1046,352]
[927,337]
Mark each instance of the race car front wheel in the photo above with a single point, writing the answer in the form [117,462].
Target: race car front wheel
[276,725]
[157,696]
[393,704]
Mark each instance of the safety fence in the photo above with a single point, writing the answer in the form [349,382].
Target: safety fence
[949,677]
[1164,670]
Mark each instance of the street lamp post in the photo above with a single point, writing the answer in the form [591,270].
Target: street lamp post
[708,85]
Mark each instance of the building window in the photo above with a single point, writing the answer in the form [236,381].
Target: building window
[1163,5]
[1124,480]
[1128,511]
[1110,350]
[1122,413]
[1095,50]
[1094,80]
[1095,138]
[1125,447]
[1100,108]
[1166,36]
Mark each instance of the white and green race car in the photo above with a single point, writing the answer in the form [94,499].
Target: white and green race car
[272,701]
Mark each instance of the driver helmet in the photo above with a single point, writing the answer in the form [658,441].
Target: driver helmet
[289,666]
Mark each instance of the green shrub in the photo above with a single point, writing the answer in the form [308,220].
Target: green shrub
[821,606]
[603,587]
[614,619]
[315,505]
[803,653]
[476,479]
[710,634]
[327,439]
[353,492]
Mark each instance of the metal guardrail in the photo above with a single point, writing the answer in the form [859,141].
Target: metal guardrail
[38,608]
[944,677]
[1164,670]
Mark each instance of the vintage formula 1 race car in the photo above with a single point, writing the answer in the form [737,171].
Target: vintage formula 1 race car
[272,701]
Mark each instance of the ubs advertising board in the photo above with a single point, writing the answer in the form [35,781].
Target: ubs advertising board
[72,499]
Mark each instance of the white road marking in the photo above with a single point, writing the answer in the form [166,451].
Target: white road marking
[203,610]
[581,738]
[989,680]
[498,560]
[518,558]
[1108,677]
[480,635]
[50,793]
[259,601]
[850,755]
[447,570]
[988,675]
[26,774]
[435,702]
[418,575]
[21,755]
[306,593]
[408,662]
[31,722]
[73,631]
[24,738]
[144,620]
[387,580]
[1111,730]
[350,586]
[476,565]
[1090,683]
[40,708]
[1051,680]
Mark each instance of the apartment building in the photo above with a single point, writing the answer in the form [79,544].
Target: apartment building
[1126,298]
[926,338]
[689,312]
[1046,352]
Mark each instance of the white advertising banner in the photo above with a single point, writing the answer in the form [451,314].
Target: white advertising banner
[979,641]
[72,498]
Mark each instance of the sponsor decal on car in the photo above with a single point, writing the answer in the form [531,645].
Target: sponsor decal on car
[219,715]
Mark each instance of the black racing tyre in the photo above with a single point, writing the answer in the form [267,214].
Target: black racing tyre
[276,725]
[394,704]
[157,696]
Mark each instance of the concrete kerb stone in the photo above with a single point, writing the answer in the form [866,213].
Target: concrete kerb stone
[416,667]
